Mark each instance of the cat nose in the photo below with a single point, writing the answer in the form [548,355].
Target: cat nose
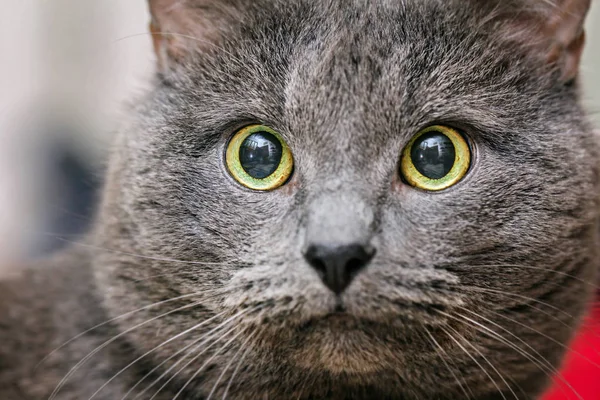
[338,265]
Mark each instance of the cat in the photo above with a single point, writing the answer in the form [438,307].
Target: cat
[329,200]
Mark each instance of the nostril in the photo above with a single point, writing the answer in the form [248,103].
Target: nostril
[318,265]
[338,265]
[354,265]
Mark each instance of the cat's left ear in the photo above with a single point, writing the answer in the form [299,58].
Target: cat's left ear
[561,26]
[181,28]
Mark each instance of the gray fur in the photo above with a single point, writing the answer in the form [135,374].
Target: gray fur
[513,246]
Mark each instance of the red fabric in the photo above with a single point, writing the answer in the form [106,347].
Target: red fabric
[582,365]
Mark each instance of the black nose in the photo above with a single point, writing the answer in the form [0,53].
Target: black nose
[338,265]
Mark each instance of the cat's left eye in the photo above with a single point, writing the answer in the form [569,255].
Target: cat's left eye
[258,158]
[435,158]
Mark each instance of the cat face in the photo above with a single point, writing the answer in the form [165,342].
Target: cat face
[348,275]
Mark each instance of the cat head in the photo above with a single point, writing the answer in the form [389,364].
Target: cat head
[350,193]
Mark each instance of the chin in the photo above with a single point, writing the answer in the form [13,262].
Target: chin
[343,344]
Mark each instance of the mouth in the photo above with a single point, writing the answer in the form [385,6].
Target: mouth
[342,323]
[336,319]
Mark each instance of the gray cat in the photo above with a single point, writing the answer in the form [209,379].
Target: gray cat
[393,199]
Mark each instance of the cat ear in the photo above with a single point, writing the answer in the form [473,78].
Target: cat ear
[558,28]
[180,28]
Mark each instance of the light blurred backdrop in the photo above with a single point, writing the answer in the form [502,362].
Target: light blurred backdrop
[66,69]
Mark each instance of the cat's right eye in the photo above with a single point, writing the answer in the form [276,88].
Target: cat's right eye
[258,158]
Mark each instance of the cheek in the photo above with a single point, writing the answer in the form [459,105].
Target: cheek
[421,229]
[246,224]
[485,232]
[200,213]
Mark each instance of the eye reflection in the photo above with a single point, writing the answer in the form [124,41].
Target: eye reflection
[260,154]
[433,155]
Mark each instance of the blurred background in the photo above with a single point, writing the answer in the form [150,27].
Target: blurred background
[67,68]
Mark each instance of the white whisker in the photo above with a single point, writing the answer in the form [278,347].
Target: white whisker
[108,342]
[125,315]
[195,341]
[141,256]
[562,345]
[229,365]
[441,352]
[206,363]
[154,349]
[474,360]
[539,361]
[519,296]
[566,274]
[236,370]
[487,362]
[216,331]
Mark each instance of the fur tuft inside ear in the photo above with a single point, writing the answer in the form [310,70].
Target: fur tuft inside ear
[182,27]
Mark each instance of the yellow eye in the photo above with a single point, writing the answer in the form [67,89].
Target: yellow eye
[435,158]
[258,158]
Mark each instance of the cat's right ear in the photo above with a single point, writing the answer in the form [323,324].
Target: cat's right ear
[181,28]
[552,29]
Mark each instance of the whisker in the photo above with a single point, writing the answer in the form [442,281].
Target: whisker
[108,342]
[219,333]
[441,352]
[546,337]
[566,274]
[473,358]
[167,274]
[488,362]
[301,391]
[190,271]
[531,299]
[125,315]
[498,336]
[216,331]
[141,256]
[207,362]
[539,361]
[229,365]
[203,339]
[160,365]
[519,296]
[154,349]
[236,370]
[549,315]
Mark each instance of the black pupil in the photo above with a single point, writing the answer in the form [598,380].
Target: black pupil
[260,154]
[433,155]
